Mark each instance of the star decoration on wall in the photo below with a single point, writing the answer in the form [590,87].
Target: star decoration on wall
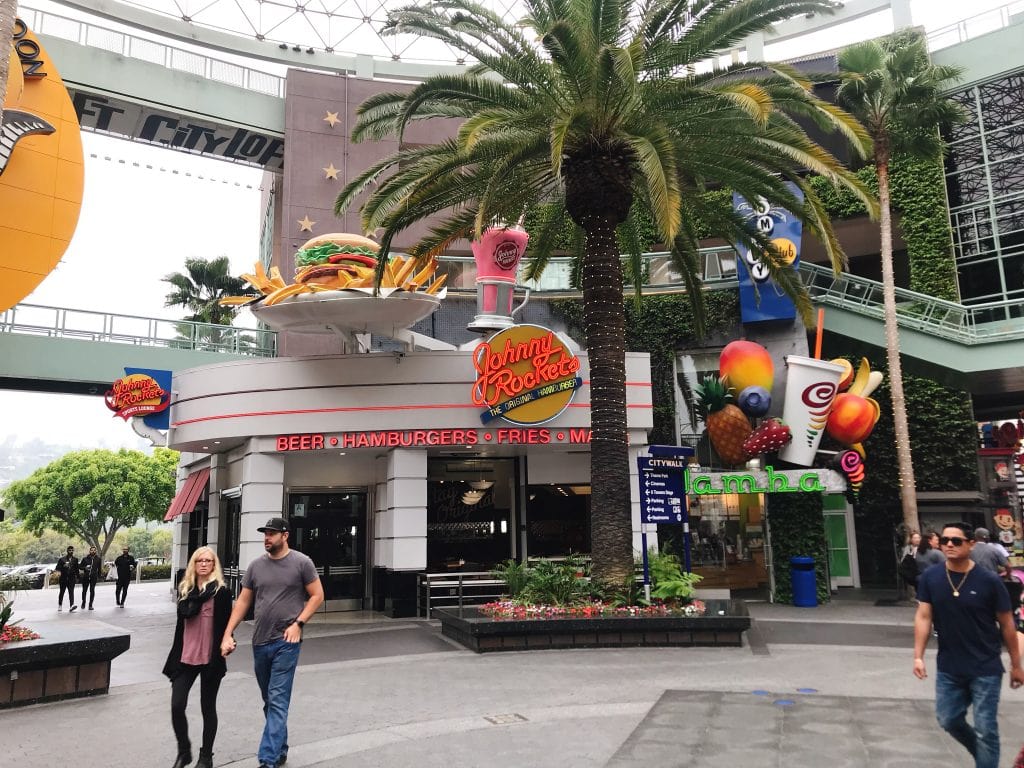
[330,172]
[332,119]
[305,225]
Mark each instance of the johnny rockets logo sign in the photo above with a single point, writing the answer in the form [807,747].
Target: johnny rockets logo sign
[525,375]
[136,395]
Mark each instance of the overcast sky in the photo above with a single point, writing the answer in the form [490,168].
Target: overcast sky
[138,223]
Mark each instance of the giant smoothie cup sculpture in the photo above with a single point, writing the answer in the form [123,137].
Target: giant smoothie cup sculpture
[811,388]
[497,254]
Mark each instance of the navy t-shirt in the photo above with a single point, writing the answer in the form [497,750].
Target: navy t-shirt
[970,641]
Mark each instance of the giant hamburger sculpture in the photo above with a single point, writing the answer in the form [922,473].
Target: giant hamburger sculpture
[337,262]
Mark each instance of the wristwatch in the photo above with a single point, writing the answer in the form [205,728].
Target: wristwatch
[300,622]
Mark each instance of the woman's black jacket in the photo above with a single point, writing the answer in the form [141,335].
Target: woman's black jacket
[222,603]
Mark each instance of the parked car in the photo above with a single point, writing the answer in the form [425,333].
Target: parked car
[34,575]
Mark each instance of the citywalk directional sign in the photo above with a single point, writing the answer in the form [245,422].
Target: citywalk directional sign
[662,489]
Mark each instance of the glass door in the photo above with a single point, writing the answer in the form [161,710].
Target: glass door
[839,539]
[331,529]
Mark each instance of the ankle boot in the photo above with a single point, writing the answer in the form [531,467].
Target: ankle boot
[205,759]
[183,759]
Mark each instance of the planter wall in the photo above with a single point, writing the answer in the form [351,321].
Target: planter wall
[65,663]
[483,634]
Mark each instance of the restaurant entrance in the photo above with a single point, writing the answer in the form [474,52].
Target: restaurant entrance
[331,528]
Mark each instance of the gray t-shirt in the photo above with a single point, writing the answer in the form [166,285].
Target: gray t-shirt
[988,556]
[280,587]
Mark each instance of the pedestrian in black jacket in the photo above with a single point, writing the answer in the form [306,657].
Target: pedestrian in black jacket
[204,607]
[89,570]
[67,567]
[124,564]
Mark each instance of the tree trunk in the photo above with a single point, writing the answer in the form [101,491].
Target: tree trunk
[908,491]
[8,12]
[604,319]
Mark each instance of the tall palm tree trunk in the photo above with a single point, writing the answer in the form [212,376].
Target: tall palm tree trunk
[908,491]
[8,12]
[604,318]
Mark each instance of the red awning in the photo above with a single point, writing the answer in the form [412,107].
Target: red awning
[185,499]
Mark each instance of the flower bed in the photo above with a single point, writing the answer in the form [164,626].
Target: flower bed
[509,627]
[12,634]
[507,609]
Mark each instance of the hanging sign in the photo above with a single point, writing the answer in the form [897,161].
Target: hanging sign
[525,374]
[137,394]
[760,297]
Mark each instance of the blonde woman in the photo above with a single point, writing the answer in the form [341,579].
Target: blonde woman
[204,606]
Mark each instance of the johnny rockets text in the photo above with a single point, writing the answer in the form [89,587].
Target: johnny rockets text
[420,437]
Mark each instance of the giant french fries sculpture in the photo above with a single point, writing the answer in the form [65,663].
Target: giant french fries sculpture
[336,262]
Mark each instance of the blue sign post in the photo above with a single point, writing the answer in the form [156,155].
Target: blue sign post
[663,496]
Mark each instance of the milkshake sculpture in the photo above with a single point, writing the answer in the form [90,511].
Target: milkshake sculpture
[497,254]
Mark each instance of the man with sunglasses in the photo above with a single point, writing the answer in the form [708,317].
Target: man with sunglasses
[970,608]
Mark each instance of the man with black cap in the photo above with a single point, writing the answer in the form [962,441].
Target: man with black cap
[288,592]
[67,567]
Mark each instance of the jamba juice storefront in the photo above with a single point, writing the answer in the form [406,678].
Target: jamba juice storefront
[390,465]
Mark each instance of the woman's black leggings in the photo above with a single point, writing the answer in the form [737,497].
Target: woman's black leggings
[209,684]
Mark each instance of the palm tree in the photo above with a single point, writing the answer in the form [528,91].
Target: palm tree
[199,289]
[896,92]
[8,12]
[593,107]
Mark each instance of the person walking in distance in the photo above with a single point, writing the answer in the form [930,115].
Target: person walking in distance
[288,592]
[970,608]
[204,607]
[124,564]
[990,556]
[67,567]
[89,568]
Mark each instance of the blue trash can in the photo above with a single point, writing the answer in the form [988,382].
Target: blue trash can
[805,587]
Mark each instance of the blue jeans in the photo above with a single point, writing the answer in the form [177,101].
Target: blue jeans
[953,694]
[275,664]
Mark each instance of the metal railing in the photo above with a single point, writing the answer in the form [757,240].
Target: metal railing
[96,36]
[718,270]
[979,24]
[60,322]
[439,590]
[964,323]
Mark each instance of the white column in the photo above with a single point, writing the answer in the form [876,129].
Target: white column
[755,47]
[218,479]
[400,542]
[179,531]
[262,499]
[901,14]
[634,501]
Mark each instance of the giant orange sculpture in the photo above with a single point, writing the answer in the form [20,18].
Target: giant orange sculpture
[41,170]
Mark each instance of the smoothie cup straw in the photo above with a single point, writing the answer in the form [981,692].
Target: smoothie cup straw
[821,329]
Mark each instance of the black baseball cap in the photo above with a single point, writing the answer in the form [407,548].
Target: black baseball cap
[275,524]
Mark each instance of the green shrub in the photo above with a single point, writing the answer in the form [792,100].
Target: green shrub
[668,582]
[515,575]
[557,583]
[156,572]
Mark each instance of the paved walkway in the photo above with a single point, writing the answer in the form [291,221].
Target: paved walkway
[820,687]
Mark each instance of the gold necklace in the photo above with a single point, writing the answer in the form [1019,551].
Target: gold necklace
[956,589]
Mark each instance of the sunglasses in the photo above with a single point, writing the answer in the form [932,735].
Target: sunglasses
[956,541]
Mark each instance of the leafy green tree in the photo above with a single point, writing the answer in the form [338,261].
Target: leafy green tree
[200,288]
[897,93]
[144,542]
[93,494]
[596,108]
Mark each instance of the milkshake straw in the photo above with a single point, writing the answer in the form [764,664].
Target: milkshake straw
[817,338]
